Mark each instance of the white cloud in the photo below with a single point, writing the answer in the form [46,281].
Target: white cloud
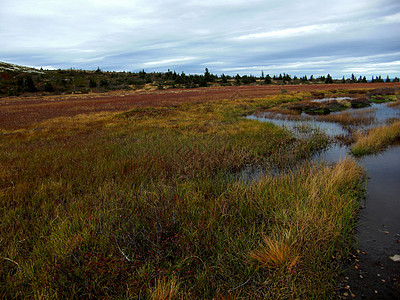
[236,35]
[48,68]
[166,62]
[375,68]
[323,65]
[213,63]
[291,32]
[391,19]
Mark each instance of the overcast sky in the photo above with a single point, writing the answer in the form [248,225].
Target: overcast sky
[228,36]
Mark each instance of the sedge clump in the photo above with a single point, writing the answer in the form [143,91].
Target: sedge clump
[276,252]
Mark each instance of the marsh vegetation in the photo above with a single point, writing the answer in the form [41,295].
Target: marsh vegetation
[147,203]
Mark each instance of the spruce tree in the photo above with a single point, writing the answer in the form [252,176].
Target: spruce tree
[237,79]
[329,79]
[224,79]
[207,76]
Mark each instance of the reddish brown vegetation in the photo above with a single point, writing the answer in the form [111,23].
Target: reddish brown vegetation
[20,112]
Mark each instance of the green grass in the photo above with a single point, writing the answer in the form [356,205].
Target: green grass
[147,204]
[384,98]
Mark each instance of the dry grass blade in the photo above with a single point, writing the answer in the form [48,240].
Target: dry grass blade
[13,261]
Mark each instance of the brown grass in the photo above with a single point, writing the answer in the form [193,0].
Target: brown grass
[118,205]
[355,117]
[276,252]
[20,112]
[394,104]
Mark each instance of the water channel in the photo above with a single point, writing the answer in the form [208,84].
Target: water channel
[372,274]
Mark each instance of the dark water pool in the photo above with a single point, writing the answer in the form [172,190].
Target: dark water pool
[375,275]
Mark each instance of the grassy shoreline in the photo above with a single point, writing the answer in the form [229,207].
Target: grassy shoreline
[145,204]
[376,139]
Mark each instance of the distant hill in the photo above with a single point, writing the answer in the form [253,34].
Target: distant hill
[6,67]
[19,80]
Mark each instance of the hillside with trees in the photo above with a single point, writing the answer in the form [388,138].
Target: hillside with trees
[17,80]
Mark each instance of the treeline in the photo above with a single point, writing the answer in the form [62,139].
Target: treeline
[14,83]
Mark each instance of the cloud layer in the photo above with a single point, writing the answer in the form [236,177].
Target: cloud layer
[245,37]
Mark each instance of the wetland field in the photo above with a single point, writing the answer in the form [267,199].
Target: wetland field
[257,192]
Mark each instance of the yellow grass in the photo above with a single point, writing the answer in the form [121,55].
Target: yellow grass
[376,139]
[276,252]
[165,289]
[310,219]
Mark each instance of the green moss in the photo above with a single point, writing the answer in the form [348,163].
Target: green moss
[383,98]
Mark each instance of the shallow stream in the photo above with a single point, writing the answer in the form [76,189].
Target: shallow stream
[372,274]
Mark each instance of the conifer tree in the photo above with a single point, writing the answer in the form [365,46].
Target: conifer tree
[207,76]
[329,79]
[237,79]
[224,79]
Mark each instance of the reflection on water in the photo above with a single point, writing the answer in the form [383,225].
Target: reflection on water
[382,211]
[378,230]
[333,154]
[375,115]
[331,99]
[383,113]
[302,125]
[305,127]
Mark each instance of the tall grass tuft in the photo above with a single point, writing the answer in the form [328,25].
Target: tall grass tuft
[376,139]
[165,289]
[277,252]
